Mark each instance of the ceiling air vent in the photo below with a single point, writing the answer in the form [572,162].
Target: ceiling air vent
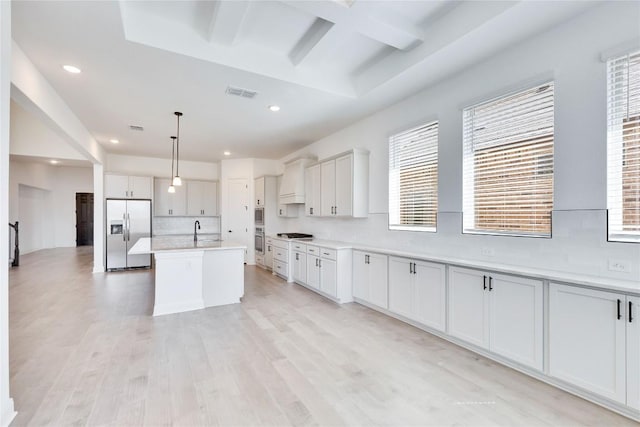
[238,91]
[137,128]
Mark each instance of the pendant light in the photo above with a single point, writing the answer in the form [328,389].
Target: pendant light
[176,179]
[172,189]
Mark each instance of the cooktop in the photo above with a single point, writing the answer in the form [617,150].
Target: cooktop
[295,235]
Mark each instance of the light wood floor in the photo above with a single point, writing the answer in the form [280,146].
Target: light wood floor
[85,350]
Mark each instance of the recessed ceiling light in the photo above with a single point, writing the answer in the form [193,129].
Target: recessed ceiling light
[227,153]
[72,69]
[54,162]
[274,108]
[114,141]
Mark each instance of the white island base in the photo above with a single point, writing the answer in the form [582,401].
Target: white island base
[194,276]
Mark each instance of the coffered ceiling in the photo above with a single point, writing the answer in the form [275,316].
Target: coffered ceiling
[325,63]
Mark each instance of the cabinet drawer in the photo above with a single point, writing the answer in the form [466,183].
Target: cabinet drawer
[328,253]
[281,254]
[259,260]
[269,240]
[280,268]
[299,247]
[313,250]
[280,244]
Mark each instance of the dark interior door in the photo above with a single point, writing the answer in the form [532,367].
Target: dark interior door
[84,219]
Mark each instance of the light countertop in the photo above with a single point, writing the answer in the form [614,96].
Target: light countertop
[147,245]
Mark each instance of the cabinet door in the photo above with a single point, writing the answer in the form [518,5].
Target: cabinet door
[329,277]
[401,286]
[312,191]
[516,319]
[468,307]
[268,256]
[379,281]
[195,196]
[116,186]
[210,198]
[178,201]
[587,340]
[139,187]
[161,204]
[429,299]
[327,188]
[344,191]
[313,271]
[360,276]
[259,192]
[633,352]
[300,267]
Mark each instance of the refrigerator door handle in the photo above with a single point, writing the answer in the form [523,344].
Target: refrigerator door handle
[124,227]
[128,227]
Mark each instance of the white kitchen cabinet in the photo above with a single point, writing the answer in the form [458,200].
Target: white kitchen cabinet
[327,187]
[370,278]
[328,277]
[500,313]
[300,267]
[258,188]
[344,189]
[202,198]
[285,210]
[312,191]
[633,352]
[587,339]
[313,271]
[169,204]
[417,290]
[268,253]
[127,187]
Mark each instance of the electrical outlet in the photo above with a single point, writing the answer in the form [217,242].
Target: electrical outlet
[488,251]
[619,265]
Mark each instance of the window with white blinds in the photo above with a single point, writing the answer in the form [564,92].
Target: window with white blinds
[413,179]
[508,164]
[623,147]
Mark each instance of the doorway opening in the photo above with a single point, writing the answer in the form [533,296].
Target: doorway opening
[84,219]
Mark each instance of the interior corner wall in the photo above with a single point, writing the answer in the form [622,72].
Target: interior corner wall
[569,54]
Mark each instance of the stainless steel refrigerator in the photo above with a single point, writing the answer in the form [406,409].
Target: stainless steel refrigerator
[127,221]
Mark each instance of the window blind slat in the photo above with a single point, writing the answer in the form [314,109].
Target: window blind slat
[508,163]
[623,147]
[413,178]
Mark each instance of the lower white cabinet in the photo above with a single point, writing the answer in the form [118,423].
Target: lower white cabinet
[370,282]
[329,271]
[417,291]
[501,313]
[594,341]
[299,267]
[313,271]
[268,253]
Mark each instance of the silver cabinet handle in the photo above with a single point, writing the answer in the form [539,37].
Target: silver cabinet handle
[132,194]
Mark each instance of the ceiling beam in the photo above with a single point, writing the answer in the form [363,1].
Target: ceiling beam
[309,40]
[226,21]
[387,29]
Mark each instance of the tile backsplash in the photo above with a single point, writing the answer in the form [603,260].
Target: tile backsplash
[166,225]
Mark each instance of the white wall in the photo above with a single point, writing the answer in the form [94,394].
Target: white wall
[42,199]
[7,412]
[568,54]
[149,166]
[30,137]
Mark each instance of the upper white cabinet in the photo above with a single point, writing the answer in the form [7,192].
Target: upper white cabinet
[417,290]
[312,191]
[127,187]
[169,204]
[370,278]
[594,341]
[501,313]
[285,210]
[292,188]
[344,189]
[202,198]
[259,192]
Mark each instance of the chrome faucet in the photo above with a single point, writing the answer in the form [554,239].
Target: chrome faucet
[196,227]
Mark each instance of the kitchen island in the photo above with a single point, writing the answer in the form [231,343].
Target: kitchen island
[193,275]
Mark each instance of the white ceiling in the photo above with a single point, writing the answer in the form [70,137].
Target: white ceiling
[325,63]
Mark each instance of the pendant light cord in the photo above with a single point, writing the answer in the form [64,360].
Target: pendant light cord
[173,153]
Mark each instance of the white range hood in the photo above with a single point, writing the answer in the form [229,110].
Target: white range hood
[292,186]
